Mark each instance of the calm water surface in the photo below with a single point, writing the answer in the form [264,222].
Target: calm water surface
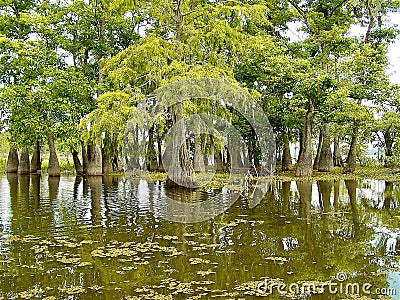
[106,238]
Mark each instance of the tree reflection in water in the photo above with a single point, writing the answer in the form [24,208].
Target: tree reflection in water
[92,236]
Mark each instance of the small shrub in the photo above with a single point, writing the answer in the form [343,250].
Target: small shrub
[66,165]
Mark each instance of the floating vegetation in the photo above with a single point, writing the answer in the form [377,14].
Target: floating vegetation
[205,273]
[34,292]
[198,260]
[72,290]
[84,264]
[95,287]
[277,258]
[69,260]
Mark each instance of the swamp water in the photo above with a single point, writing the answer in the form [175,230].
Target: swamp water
[105,238]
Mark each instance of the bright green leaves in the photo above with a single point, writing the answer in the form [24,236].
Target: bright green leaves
[112,112]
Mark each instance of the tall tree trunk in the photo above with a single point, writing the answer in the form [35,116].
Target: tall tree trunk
[389,141]
[235,154]
[286,157]
[216,155]
[54,167]
[325,159]
[219,166]
[159,153]
[180,171]
[151,155]
[352,156]
[95,166]
[198,159]
[24,164]
[12,161]
[256,153]
[278,152]
[36,163]
[319,148]
[107,155]
[304,165]
[77,163]
[84,158]
[106,162]
[337,158]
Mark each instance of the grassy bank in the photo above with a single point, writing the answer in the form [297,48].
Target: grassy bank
[65,165]
[371,172]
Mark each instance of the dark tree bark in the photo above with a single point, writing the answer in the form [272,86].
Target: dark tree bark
[352,155]
[326,159]
[77,163]
[12,161]
[337,158]
[54,167]
[36,163]
[319,148]
[24,167]
[151,155]
[286,157]
[304,165]
[389,141]
[95,167]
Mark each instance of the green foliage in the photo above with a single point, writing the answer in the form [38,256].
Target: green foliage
[78,69]
[3,164]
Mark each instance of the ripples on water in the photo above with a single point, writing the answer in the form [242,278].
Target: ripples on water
[108,238]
